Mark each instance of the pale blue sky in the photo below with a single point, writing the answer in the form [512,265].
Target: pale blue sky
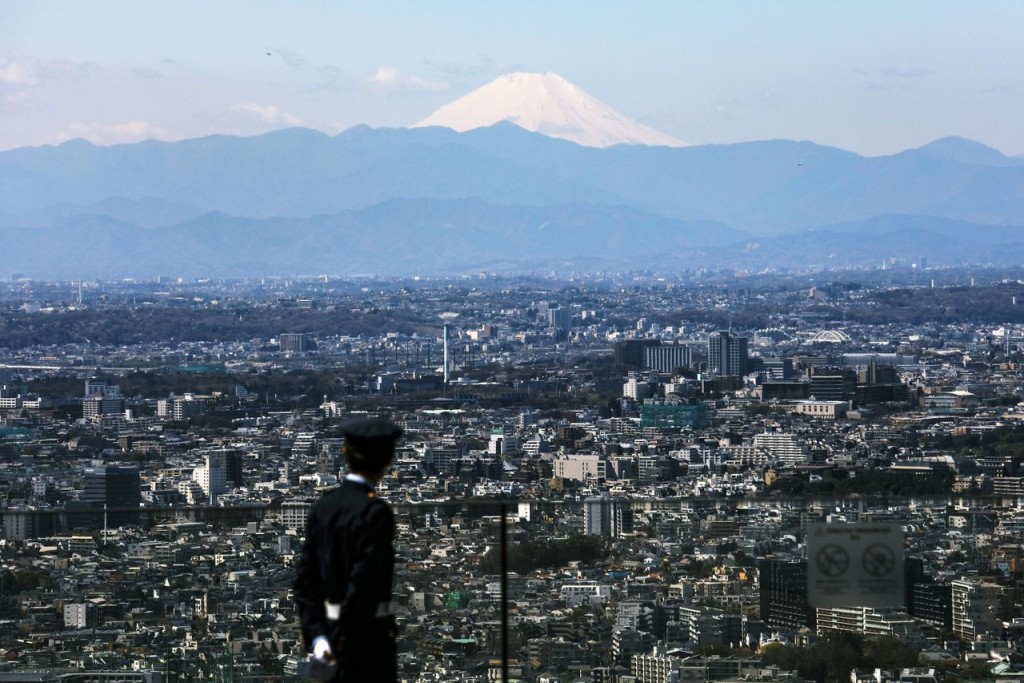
[874,77]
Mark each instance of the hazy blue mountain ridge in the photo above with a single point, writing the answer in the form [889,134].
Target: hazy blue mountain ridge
[433,200]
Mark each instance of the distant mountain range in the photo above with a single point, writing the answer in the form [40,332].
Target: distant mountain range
[433,201]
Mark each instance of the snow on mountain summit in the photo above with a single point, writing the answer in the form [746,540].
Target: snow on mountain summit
[546,104]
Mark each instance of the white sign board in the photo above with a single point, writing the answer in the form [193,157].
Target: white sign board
[855,565]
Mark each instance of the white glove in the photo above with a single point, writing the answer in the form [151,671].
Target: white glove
[322,649]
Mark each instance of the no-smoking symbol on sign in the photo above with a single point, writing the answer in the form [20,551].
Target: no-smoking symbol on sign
[832,560]
[878,560]
[855,565]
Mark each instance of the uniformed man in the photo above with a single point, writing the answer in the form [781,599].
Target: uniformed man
[343,587]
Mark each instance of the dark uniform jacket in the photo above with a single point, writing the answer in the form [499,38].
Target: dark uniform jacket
[348,559]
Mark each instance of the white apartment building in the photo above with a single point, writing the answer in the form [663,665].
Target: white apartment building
[213,476]
[822,410]
[871,621]
[585,594]
[636,389]
[581,467]
[79,615]
[294,514]
[979,608]
[784,448]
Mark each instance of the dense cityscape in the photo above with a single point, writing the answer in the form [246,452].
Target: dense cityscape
[604,478]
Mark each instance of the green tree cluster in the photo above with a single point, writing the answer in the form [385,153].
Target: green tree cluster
[14,582]
[833,657]
[868,482]
[531,555]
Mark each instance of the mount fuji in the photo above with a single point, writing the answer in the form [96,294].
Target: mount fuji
[547,104]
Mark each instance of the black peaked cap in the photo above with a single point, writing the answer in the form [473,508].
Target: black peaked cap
[372,437]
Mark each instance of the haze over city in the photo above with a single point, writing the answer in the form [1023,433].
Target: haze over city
[873,78]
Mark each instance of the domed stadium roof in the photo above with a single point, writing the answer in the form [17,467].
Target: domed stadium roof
[830,337]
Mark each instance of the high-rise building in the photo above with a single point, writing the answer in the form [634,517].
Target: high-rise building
[777,368]
[597,518]
[20,523]
[213,476]
[187,407]
[560,318]
[295,513]
[101,399]
[784,600]
[784,448]
[833,384]
[979,608]
[233,468]
[667,357]
[871,621]
[928,600]
[707,626]
[630,352]
[94,387]
[727,355]
[80,615]
[603,516]
[117,488]
[503,444]
[296,342]
[636,388]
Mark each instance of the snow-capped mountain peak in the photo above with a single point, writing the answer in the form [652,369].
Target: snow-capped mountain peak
[547,104]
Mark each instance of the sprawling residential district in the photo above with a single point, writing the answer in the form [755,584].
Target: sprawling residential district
[618,478]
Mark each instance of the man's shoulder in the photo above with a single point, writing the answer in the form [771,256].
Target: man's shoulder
[329,500]
[348,494]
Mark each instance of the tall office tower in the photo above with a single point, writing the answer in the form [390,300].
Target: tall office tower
[101,399]
[233,462]
[667,357]
[630,352]
[833,384]
[979,608]
[296,342]
[94,386]
[559,318]
[727,355]
[603,516]
[777,368]
[116,488]
[636,389]
[784,594]
[502,444]
[597,516]
[213,476]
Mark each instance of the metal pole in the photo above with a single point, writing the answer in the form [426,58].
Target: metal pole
[446,356]
[504,593]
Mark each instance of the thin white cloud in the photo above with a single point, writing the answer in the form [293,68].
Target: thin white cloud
[17,72]
[22,72]
[112,133]
[268,113]
[393,79]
